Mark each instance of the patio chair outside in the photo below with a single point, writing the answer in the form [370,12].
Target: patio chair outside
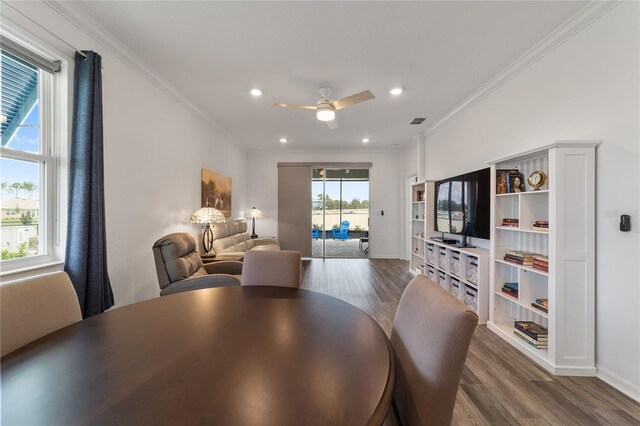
[343,232]
[314,233]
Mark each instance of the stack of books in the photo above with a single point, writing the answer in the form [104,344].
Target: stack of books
[532,333]
[510,289]
[511,222]
[541,262]
[541,224]
[520,257]
[541,305]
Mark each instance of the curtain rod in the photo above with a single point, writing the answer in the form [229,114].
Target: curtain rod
[83,55]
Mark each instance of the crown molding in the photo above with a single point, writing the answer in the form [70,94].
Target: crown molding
[97,32]
[582,19]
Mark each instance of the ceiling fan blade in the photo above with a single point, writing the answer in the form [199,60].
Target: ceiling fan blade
[353,99]
[278,104]
[333,124]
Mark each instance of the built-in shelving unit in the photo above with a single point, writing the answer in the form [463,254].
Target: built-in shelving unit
[464,272]
[567,202]
[418,228]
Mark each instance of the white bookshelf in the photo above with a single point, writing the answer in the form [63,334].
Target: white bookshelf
[567,201]
[418,226]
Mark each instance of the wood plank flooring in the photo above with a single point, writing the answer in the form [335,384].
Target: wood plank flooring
[499,385]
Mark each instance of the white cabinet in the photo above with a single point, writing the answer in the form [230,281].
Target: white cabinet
[464,272]
[563,253]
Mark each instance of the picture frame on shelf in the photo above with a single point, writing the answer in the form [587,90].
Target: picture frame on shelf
[516,183]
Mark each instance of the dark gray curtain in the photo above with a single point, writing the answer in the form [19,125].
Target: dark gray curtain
[86,253]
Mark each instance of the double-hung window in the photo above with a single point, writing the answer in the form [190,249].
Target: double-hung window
[31,121]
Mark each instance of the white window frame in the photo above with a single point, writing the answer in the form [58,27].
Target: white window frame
[55,112]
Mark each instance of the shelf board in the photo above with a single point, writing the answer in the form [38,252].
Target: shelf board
[540,191]
[419,202]
[417,255]
[506,296]
[534,310]
[516,229]
[418,220]
[518,194]
[519,303]
[469,283]
[417,238]
[526,268]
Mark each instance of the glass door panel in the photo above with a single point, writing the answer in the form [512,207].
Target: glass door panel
[340,213]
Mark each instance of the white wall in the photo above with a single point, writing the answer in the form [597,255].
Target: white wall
[154,148]
[385,188]
[588,88]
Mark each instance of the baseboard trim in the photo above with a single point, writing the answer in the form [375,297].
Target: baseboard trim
[623,385]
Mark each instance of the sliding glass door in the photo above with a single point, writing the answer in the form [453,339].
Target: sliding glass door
[340,212]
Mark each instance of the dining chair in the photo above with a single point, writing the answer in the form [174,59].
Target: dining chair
[33,307]
[431,334]
[274,267]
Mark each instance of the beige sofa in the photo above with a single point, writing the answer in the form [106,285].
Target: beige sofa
[231,237]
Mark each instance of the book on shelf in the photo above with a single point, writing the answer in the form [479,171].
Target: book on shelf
[532,342]
[510,222]
[523,258]
[542,340]
[532,329]
[510,289]
[540,307]
[541,262]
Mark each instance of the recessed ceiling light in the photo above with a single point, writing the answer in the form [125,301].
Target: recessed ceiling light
[256,92]
[396,90]
[365,140]
[283,140]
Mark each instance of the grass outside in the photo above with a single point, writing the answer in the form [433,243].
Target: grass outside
[356,217]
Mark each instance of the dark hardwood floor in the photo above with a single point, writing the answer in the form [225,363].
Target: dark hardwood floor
[499,386]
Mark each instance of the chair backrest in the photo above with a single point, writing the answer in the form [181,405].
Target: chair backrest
[431,334]
[176,258]
[272,267]
[344,227]
[33,307]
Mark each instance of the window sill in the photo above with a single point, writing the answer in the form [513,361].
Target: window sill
[28,271]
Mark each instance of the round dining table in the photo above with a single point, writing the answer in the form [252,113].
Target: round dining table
[224,356]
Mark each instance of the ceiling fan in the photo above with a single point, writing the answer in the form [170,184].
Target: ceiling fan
[326,107]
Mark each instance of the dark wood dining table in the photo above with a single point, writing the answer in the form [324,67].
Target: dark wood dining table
[223,356]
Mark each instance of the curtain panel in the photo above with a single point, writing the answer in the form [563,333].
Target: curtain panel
[86,251]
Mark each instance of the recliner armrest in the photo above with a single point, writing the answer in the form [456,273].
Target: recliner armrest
[197,283]
[264,241]
[231,267]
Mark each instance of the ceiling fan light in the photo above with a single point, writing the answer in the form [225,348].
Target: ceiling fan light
[325,114]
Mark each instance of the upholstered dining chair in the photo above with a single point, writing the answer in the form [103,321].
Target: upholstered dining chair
[180,267]
[275,267]
[34,307]
[431,335]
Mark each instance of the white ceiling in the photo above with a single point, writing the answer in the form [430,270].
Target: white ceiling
[440,52]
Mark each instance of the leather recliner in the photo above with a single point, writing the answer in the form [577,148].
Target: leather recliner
[180,267]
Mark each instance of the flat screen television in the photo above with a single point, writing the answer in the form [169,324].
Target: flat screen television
[462,204]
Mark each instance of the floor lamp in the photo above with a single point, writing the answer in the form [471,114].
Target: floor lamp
[253,214]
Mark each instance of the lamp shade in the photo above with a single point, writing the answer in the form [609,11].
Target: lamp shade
[325,114]
[254,213]
[207,215]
